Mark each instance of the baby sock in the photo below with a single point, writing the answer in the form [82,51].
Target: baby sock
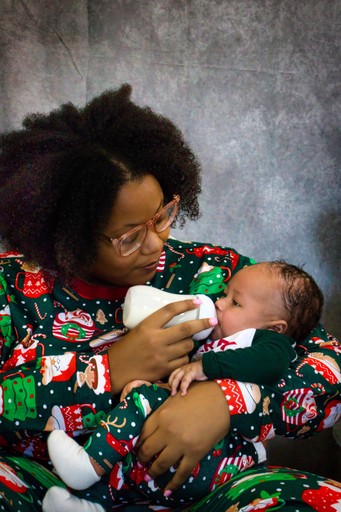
[70,461]
[58,499]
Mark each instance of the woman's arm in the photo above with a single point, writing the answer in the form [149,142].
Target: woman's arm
[182,431]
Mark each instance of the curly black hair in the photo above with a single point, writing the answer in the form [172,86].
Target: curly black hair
[60,175]
[301,297]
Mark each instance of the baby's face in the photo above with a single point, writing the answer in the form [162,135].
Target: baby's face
[252,299]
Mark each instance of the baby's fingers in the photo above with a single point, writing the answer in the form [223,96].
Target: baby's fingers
[175,379]
[185,382]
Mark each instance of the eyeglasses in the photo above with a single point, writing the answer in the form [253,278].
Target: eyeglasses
[133,239]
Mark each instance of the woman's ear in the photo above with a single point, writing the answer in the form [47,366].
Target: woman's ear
[279,326]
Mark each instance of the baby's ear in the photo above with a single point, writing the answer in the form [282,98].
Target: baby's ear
[279,326]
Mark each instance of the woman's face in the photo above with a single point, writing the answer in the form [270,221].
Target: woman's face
[136,203]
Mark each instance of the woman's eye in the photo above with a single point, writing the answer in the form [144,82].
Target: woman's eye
[128,240]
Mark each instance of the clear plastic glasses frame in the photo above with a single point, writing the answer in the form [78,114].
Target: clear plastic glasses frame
[133,239]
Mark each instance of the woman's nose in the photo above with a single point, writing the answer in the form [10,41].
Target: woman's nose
[152,243]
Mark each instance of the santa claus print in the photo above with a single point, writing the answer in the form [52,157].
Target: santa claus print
[57,368]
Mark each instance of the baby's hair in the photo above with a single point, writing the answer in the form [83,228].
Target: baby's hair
[301,297]
[60,176]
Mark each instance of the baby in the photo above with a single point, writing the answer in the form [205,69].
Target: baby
[265,309]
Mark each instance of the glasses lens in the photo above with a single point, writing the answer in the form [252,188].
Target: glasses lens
[166,216]
[133,240]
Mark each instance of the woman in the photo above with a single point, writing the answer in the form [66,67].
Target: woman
[88,196]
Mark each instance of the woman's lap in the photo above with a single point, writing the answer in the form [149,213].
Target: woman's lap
[23,484]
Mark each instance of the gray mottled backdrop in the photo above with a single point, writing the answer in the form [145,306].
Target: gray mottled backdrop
[253,84]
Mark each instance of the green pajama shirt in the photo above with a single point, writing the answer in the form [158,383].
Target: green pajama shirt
[54,374]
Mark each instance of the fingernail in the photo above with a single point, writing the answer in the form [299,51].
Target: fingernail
[167,493]
[213,321]
[147,478]
[197,301]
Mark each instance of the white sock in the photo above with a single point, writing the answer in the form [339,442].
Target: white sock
[70,461]
[58,499]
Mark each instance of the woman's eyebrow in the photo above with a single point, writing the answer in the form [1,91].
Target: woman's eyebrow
[128,227]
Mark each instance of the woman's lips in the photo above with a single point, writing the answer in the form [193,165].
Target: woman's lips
[151,266]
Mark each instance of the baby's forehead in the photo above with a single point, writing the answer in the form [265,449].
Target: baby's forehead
[261,268]
[261,273]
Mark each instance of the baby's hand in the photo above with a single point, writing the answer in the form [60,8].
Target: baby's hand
[184,375]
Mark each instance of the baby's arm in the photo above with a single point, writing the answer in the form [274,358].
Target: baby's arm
[184,375]
[262,358]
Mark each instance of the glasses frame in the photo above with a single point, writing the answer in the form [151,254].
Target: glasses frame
[116,242]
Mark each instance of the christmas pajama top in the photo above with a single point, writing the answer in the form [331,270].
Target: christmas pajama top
[54,365]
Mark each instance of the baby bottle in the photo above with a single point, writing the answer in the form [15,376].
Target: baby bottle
[141,301]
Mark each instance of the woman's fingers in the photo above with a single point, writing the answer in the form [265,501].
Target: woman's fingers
[183,472]
[185,329]
[151,442]
[165,314]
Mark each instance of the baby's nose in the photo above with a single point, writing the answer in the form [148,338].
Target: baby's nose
[219,304]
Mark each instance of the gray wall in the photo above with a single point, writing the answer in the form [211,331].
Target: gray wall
[253,84]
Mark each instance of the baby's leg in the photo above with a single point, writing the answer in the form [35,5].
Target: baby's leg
[131,385]
[58,499]
[70,461]
[116,436]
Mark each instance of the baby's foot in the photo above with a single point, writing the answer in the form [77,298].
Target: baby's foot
[131,385]
[58,499]
[70,461]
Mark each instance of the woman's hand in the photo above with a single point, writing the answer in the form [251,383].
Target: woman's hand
[151,352]
[183,430]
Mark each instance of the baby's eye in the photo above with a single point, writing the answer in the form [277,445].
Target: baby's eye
[235,303]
